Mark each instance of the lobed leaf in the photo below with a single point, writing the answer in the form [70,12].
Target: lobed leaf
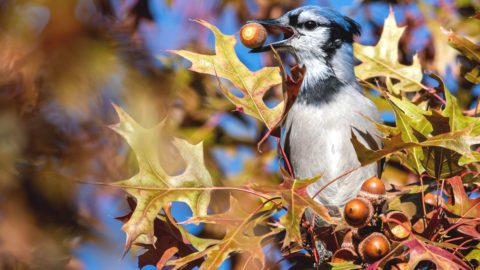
[409,116]
[297,201]
[239,238]
[457,120]
[152,187]
[459,141]
[382,60]
[462,205]
[420,251]
[253,85]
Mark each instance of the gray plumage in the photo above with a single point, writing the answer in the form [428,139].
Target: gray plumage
[317,131]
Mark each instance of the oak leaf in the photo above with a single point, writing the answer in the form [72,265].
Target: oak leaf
[239,238]
[253,85]
[459,141]
[457,120]
[172,240]
[152,187]
[382,60]
[470,50]
[422,251]
[462,205]
[408,118]
[297,200]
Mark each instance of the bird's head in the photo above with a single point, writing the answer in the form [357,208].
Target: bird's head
[314,35]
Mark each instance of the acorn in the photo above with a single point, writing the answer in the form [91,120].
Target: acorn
[358,212]
[253,35]
[373,189]
[394,230]
[344,255]
[374,247]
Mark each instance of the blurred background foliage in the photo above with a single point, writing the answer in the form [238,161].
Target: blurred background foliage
[62,64]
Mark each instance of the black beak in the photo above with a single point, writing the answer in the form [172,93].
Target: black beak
[275,26]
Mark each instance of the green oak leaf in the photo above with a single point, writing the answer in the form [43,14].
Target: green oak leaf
[409,117]
[457,120]
[459,141]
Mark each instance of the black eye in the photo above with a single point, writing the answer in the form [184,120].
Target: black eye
[310,25]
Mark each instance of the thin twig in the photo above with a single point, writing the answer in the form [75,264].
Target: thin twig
[336,179]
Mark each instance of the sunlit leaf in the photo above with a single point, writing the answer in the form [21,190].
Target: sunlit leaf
[253,85]
[462,205]
[239,238]
[152,187]
[297,200]
[474,254]
[409,116]
[172,239]
[421,251]
[416,116]
[381,60]
[459,141]
[457,119]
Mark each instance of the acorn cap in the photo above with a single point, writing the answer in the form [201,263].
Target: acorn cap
[348,240]
[253,35]
[373,189]
[358,212]
[374,247]
[344,255]
[394,230]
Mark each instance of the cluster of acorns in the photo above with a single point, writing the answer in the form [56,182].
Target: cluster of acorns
[372,232]
[363,214]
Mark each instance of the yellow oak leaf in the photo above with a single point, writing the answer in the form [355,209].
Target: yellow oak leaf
[253,85]
[152,187]
[382,60]
[240,237]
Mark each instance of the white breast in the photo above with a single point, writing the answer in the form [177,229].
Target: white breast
[319,144]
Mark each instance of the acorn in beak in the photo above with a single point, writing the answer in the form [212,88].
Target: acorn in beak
[275,26]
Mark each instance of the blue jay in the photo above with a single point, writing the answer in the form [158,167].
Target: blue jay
[317,129]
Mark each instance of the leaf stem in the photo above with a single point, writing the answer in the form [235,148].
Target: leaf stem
[424,208]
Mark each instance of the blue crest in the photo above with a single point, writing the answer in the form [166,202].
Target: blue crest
[336,18]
